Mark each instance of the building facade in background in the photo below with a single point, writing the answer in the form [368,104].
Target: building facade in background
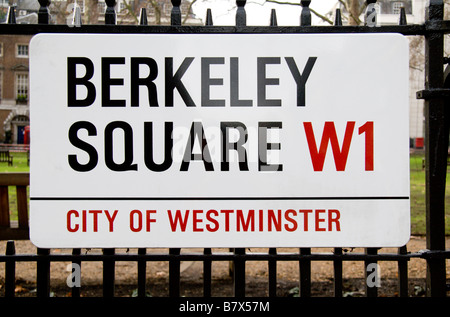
[14,88]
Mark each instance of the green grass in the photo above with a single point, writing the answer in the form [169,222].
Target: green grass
[417,176]
[19,163]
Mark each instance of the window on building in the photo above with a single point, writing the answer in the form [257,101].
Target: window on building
[101,6]
[22,50]
[122,6]
[397,6]
[22,87]
[1,49]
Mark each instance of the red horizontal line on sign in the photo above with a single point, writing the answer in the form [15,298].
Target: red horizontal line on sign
[226,198]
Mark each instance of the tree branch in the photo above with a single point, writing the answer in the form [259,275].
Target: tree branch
[188,10]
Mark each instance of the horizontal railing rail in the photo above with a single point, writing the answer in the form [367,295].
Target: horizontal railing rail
[239,257]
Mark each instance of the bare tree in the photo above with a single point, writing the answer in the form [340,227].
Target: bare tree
[352,10]
[91,12]
[131,11]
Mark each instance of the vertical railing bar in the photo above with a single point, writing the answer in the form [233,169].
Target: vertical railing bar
[239,273]
[305,16]
[11,18]
[338,281]
[436,147]
[209,18]
[75,289]
[174,273]
[272,267]
[110,12]
[143,20]
[108,273]
[338,18]
[305,273]
[402,20]
[142,268]
[241,15]
[175,15]
[207,270]
[371,290]
[10,270]
[43,13]
[403,273]
[43,273]
[273,18]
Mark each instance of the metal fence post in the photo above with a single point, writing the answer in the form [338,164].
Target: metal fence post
[143,17]
[305,17]
[174,273]
[436,147]
[75,288]
[207,271]
[109,267]
[175,15]
[403,273]
[241,15]
[209,18]
[142,267]
[338,280]
[43,273]
[11,18]
[273,18]
[43,14]
[10,270]
[239,273]
[371,288]
[272,268]
[110,13]
[305,273]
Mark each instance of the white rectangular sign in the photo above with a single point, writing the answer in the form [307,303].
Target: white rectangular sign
[219,140]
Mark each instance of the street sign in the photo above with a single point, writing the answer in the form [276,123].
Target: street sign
[219,140]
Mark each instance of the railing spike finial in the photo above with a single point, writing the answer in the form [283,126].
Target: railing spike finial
[338,18]
[209,19]
[43,13]
[273,18]
[175,15]
[241,15]
[402,19]
[110,13]
[305,17]
[143,17]
[11,18]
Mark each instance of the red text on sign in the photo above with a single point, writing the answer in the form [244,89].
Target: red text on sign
[289,220]
[87,220]
[340,154]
